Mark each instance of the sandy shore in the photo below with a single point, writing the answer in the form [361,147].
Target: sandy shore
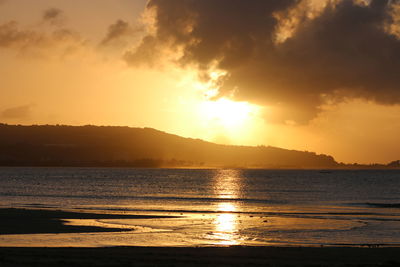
[22,221]
[35,221]
[211,256]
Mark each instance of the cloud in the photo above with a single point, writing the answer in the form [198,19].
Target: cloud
[20,112]
[118,33]
[54,16]
[12,36]
[38,41]
[343,49]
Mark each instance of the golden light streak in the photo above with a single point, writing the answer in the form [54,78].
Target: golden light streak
[227,185]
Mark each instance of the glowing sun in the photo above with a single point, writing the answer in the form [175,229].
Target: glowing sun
[228,113]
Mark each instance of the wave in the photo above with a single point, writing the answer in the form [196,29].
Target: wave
[171,198]
[309,215]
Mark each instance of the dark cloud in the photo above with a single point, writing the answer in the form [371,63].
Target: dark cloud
[119,32]
[53,16]
[20,112]
[210,29]
[344,52]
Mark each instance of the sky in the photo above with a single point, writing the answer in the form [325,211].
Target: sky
[310,75]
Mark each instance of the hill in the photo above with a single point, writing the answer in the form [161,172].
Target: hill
[137,147]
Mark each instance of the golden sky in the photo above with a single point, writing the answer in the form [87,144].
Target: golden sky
[307,76]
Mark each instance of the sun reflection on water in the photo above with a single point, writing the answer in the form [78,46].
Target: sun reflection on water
[227,185]
[226,222]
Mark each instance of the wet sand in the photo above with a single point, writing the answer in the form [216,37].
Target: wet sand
[210,256]
[22,221]
[35,221]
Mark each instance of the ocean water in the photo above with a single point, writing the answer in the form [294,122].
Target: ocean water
[212,207]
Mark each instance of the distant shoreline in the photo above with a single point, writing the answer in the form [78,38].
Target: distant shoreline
[110,166]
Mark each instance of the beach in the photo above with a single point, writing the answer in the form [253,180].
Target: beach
[200,133]
[201,256]
[103,207]
[48,221]
[129,217]
[38,221]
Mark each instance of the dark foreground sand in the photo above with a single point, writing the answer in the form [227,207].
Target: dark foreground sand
[21,221]
[216,256]
[35,221]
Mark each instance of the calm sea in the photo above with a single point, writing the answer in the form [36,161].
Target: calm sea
[214,207]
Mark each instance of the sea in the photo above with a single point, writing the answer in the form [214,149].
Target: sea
[211,207]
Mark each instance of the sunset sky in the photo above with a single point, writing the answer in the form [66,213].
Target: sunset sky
[313,75]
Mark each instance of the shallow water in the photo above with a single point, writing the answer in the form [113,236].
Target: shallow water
[215,207]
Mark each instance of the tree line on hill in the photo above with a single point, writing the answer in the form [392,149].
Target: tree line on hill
[106,146]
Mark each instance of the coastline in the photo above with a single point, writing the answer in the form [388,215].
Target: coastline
[51,221]
[341,167]
[15,221]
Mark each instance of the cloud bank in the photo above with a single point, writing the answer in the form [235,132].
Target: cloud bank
[294,56]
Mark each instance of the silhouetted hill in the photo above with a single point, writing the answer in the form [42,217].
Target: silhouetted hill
[136,147]
[394,164]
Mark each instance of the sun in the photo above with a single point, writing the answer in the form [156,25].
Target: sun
[228,113]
